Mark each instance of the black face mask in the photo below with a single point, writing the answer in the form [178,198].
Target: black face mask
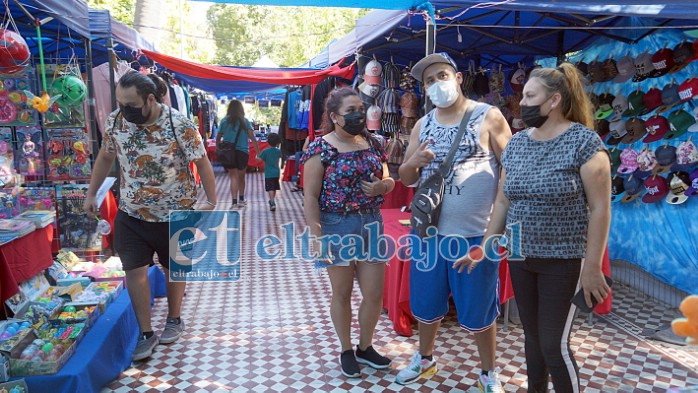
[532,117]
[354,123]
[135,115]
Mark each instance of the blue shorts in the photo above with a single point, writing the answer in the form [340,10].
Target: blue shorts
[353,236]
[433,280]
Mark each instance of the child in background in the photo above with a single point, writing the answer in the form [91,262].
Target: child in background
[272,161]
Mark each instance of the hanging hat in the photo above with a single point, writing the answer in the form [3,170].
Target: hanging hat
[636,131]
[670,97]
[636,106]
[409,104]
[686,157]
[666,157]
[372,72]
[626,69]
[373,118]
[517,79]
[683,55]
[391,76]
[679,122]
[369,89]
[663,62]
[643,67]
[679,183]
[605,106]
[620,106]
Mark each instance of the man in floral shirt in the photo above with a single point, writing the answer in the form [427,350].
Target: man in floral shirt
[154,144]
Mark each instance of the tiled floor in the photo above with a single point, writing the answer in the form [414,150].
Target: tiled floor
[271,332]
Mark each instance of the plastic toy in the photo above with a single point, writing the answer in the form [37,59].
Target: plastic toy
[688,327]
[14,52]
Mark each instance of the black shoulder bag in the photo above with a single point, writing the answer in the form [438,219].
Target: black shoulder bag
[426,203]
[225,151]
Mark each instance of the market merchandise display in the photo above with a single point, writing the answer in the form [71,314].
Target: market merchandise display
[48,321]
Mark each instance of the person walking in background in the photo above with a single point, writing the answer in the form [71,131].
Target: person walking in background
[557,187]
[271,157]
[154,144]
[345,178]
[235,130]
[470,191]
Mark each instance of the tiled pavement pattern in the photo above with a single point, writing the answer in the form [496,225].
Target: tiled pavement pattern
[271,332]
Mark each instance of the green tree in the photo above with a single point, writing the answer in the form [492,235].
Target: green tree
[121,10]
[290,36]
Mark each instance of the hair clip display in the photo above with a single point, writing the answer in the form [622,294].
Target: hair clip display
[68,154]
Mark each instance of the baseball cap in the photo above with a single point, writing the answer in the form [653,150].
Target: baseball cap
[679,122]
[373,118]
[652,100]
[628,161]
[596,72]
[657,127]
[663,62]
[609,70]
[620,106]
[516,80]
[605,106]
[434,58]
[636,106]
[617,131]
[693,190]
[626,69]
[636,130]
[617,189]
[670,97]
[686,156]
[666,157]
[369,89]
[615,158]
[602,128]
[688,89]
[694,128]
[372,72]
[657,188]
[643,67]
[683,55]
[633,188]
[678,185]
[646,162]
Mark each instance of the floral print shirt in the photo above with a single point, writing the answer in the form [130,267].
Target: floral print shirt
[154,163]
[341,184]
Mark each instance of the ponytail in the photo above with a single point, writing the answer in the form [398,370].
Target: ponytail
[566,80]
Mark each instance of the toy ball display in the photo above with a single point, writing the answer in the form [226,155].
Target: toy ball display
[14,52]
[71,88]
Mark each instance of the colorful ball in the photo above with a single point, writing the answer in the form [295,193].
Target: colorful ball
[14,52]
[71,88]
[70,309]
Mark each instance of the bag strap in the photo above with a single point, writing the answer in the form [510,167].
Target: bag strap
[446,164]
[237,135]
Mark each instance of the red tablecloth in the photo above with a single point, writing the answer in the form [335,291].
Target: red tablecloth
[399,197]
[24,258]
[289,169]
[251,162]
[396,292]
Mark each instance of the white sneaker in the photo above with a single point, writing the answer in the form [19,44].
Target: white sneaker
[418,368]
[242,202]
[490,383]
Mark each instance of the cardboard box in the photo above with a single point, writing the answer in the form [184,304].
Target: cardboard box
[12,384]
[83,281]
[68,293]
[4,368]
[89,320]
[24,368]
[14,346]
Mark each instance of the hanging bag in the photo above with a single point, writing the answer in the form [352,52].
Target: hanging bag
[426,203]
[225,151]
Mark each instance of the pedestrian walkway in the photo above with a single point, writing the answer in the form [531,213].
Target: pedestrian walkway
[271,332]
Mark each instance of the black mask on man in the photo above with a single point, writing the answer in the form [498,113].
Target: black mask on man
[135,115]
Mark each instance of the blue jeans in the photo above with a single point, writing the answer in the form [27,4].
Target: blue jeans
[353,236]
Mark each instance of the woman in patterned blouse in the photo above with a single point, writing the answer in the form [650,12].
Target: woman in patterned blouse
[556,194]
[345,178]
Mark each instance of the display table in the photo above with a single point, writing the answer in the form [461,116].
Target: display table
[400,196]
[24,258]
[396,291]
[251,161]
[104,352]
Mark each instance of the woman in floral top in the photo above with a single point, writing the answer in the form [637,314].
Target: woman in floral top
[346,176]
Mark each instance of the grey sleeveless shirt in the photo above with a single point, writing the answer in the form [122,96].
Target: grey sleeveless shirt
[471,184]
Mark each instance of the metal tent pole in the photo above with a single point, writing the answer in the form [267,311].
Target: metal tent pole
[91,98]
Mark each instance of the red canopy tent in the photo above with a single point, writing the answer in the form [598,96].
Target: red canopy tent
[270,76]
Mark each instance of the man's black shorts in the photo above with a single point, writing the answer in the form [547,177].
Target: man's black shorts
[136,241]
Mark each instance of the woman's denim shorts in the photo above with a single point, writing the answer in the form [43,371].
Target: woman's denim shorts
[354,236]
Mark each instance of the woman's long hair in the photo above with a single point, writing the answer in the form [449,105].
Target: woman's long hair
[236,114]
[566,80]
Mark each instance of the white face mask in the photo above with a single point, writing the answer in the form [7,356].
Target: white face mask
[443,94]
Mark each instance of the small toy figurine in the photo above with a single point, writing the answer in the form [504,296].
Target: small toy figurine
[688,327]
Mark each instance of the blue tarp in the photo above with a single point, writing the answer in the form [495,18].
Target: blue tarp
[390,4]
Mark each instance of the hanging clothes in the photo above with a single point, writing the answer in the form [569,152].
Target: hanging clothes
[103,90]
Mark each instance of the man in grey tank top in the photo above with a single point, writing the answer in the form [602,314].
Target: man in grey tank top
[470,190]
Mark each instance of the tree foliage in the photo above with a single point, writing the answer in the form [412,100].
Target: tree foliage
[121,10]
[290,36]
